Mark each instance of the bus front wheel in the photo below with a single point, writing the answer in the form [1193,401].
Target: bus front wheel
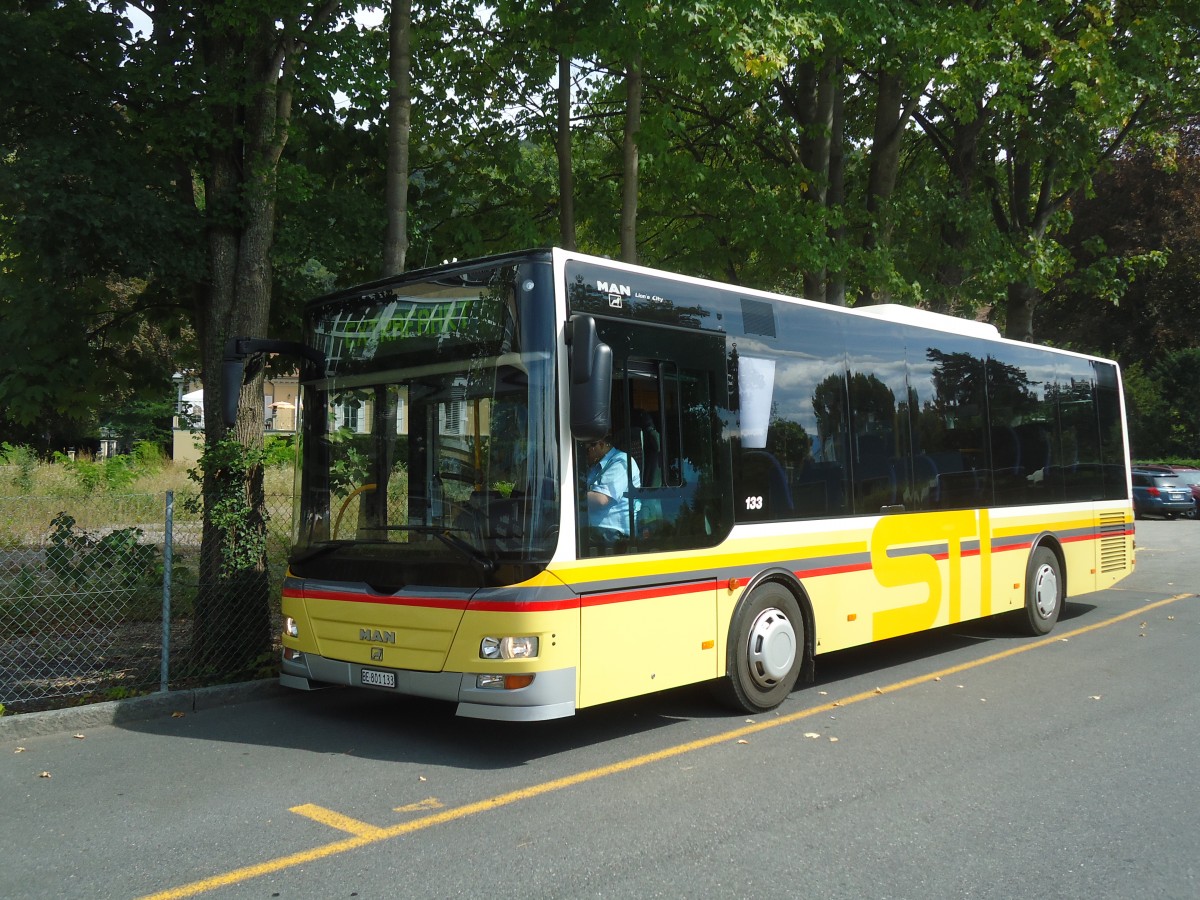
[1044,591]
[765,651]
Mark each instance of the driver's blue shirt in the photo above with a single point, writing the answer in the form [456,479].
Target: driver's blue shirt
[611,477]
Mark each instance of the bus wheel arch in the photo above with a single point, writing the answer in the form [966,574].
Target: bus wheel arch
[770,643]
[1045,587]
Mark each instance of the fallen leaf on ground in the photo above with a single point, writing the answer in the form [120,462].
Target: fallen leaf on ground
[811,734]
[44,775]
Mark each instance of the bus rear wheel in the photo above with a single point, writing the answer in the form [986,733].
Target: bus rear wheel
[766,650]
[1044,591]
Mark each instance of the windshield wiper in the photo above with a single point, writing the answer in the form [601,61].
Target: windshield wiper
[453,541]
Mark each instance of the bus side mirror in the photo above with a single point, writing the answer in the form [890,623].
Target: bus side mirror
[591,366]
[232,370]
[233,366]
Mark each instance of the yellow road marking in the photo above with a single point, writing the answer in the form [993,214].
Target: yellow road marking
[364,834]
[428,803]
[336,820]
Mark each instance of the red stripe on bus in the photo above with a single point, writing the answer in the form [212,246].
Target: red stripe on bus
[646,593]
[519,606]
[629,594]
[832,570]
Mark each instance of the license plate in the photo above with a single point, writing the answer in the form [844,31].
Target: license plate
[378,679]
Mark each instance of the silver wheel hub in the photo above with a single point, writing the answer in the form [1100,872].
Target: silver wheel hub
[1045,591]
[772,647]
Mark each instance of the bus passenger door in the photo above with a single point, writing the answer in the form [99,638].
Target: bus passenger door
[649,608]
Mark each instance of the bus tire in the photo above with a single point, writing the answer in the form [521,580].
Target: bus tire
[1044,591]
[765,650]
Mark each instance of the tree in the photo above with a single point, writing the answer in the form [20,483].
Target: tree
[1137,241]
[399,128]
[90,236]
[1067,85]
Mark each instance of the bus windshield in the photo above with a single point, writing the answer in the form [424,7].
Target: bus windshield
[430,436]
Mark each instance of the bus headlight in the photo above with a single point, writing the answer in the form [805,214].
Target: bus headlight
[508,648]
[290,627]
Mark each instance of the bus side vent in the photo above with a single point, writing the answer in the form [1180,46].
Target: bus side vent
[758,317]
[1114,552]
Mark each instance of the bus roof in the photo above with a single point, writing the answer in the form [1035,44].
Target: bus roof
[911,315]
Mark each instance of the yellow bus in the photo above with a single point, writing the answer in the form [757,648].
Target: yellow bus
[542,481]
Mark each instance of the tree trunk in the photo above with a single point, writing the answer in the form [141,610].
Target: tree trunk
[835,286]
[882,172]
[811,99]
[961,154]
[629,160]
[1022,299]
[233,626]
[395,248]
[566,179]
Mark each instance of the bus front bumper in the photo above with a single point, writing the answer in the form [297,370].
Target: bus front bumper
[551,695]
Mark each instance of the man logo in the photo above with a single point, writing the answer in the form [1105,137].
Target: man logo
[611,287]
[616,292]
[375,636]
[376,654]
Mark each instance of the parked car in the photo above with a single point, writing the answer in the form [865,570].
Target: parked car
[1161,494]
[1191,477]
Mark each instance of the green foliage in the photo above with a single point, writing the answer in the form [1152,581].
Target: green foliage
[1178,378]
[149,457]
[90,231]
[279,450]
[24,460]
[1164,407]
[79,560]
[225,472]
[114,473]
[1009,116]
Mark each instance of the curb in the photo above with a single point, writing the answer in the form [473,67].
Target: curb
[137,709]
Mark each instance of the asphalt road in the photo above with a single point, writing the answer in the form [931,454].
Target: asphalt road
[969,762]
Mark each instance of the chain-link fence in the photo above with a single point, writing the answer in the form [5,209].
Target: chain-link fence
[84,585]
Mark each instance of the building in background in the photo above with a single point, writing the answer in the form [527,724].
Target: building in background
[280,405]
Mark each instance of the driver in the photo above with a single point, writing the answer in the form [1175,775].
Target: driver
[608,483]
